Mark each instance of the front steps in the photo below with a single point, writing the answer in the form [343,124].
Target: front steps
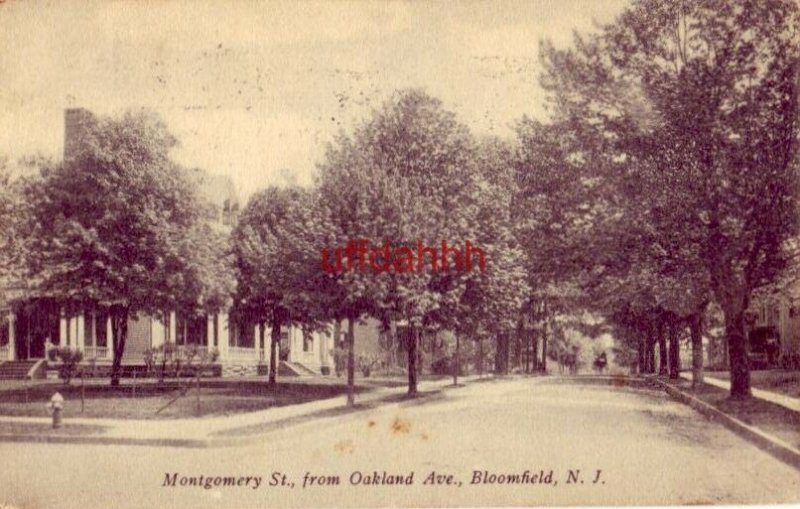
[286,368]
[16,370]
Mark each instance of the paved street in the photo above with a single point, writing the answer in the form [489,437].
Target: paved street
[650,450]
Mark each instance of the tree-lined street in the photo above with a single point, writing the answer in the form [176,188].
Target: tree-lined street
[657,199]
[640,217]
[650,449]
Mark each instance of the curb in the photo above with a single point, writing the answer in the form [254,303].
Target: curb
[768,443]
[101,440]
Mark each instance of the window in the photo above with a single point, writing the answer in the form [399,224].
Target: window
[308,341]
[191,330]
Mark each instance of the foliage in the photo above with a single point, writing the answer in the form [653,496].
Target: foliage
[687,113]
[276,248]
[70,360]
[366,363]
[170,358]
[119,225]
[404,176]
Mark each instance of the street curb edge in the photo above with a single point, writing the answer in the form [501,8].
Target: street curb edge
[768,443]
[103,440]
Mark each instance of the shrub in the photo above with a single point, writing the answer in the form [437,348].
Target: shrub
[70,362]
[445,365]
[196,357]
[365,363]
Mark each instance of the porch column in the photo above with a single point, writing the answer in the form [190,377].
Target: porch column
[323,344]
[157,332]
[94,329]
[12,339]
[109,332]
[63,329]
[210,331]
[254,331]
[79,331]
[224,335]
[173,323]
[293,351]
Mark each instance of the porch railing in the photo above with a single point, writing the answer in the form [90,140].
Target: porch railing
[184,348]
[95,352]
[244,354]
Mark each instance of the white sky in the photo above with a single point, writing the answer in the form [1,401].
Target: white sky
[256,90]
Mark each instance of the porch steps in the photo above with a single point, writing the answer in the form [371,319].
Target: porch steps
[16,370]
[286,368]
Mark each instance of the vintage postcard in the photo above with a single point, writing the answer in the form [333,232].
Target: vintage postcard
[399,253]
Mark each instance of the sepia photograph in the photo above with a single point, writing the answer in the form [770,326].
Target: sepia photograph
[401,253]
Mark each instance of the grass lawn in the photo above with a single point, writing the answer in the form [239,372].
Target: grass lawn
[773,419]
[145,399]
[421,398]
[780,381]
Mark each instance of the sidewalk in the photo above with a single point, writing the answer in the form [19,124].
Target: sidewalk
[203,431]
[773,397]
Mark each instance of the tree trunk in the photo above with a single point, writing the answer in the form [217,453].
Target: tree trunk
[534,353]
[351,362]
[457,363]
[725,357]
[412,361]
[119,330]
[737,351]
[696,327]
[275,340]
[662,348]
[480,356]
[642,354]
[501,356]
[674,350]
[498,353]
[651,353]
[544,348]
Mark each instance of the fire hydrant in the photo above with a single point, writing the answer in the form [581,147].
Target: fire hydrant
[55,406]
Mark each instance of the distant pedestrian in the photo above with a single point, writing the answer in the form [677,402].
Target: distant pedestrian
[600,362]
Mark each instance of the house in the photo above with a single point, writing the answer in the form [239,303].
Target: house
[31,326]
[773,325]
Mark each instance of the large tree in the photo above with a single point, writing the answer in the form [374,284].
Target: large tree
[701,97]
[276,246]
[12,249]
[401,178]
[116,226]
[492,300]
